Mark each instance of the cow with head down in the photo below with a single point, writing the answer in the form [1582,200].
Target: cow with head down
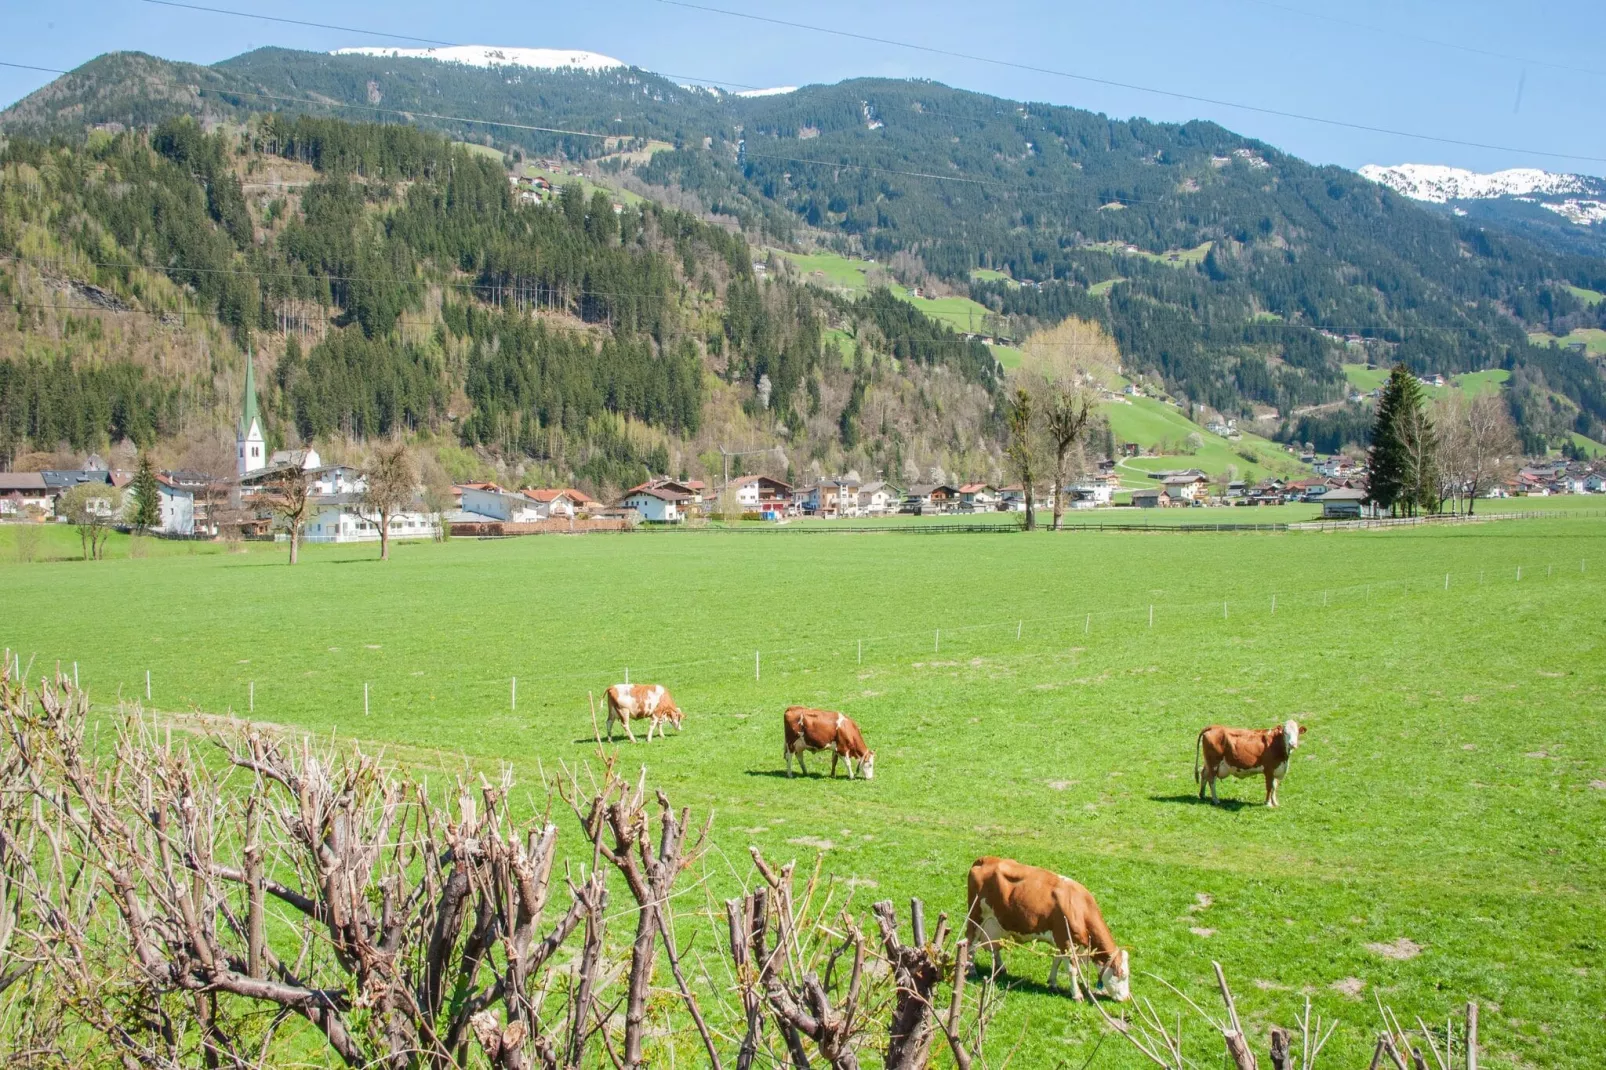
[1244,752]
[642,702]
[808,729]
[1010,901]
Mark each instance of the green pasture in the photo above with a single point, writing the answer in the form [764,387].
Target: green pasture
[1366,378]
[1441,831]
[1588,297]
[989,275]
[1592,338]
[1149,421]
[1171,257]
[1099,289]
[1588,445]
[840,272]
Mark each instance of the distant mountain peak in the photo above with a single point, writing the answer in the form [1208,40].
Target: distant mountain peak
[497,56]
[1439,184]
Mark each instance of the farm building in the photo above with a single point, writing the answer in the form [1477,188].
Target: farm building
[1342,503]
[1149,499]
[1187,486]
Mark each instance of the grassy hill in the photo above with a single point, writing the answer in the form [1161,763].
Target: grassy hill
[1367,378]
[1151,422]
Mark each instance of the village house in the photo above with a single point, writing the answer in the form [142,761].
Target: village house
[556,502]
[770,498]
[656,505]
[491,502]
[927,499]
[1089,494]
[1012,499]
[878,498]
[831,498]
[23,494]
[1186,487]
[175,507]
[978,498]
[1150,499]
[304,458]
[60,481]
[341,519]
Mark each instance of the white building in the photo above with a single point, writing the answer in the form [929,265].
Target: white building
[878,498]
[251,449]
[333,479]
[307,458]
[176,506]
[341,520]
[491,502]
[656,506]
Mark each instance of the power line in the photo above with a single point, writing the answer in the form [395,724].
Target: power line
[297,22]
[1092,79]
[1381,32]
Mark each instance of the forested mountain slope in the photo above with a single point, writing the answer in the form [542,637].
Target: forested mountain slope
[393,283]
[1241,276]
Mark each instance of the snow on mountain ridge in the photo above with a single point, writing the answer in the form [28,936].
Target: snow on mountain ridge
[1439,184]
[496,56]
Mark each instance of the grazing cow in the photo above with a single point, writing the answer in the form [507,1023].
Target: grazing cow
[650,702]
[1010,901]
[809,729]
[1244,752]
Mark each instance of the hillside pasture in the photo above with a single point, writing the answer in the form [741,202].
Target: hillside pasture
[1150,422]
[1593,339]
[1439,837]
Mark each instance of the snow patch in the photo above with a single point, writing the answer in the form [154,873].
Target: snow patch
[1581,212]
[497,56]
[773,91]
[1439,184]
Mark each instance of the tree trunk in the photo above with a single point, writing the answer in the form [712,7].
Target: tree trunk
[1031,505]
[295,543]
[1059,489]
[384,536]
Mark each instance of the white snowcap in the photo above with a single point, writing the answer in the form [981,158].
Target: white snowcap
[1438,184]
[497,56]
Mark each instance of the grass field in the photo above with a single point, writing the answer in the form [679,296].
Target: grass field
[840,272]
[1148,421]
[1171,257]
[1367,379]
[1592,338]
[1588,297]
[1449,792]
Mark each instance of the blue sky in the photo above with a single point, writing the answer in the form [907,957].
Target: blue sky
[1370,62]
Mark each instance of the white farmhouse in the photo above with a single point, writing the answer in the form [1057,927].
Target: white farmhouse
[656,505]
[492,502]
[341,519]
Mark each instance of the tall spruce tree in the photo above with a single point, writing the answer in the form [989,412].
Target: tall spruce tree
[147,501]
[1400,436]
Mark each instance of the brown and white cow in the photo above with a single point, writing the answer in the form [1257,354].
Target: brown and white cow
[810,729]
[1243,752]
[649,702]
[1007,900]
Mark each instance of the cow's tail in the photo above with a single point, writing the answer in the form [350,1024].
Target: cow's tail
[1198,747]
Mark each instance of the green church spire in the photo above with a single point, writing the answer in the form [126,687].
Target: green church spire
[248,411]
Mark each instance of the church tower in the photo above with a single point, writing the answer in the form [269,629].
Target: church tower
[251,449]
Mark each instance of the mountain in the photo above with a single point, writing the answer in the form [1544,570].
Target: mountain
[496,56]
[1240,277]
[1566,212]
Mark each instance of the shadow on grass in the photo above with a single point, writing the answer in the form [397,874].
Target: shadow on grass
[1232,805]
[1010,982]
[781,774]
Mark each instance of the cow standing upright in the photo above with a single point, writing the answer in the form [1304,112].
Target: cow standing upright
[810,729]
[649,702]
[1006,899]
[1243,752]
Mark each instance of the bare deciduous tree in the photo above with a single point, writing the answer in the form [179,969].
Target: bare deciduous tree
[1477,445]
[164,907]
[288,495]
[391,484]
[1068,408]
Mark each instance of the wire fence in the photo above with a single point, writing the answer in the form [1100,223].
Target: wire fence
[947,642]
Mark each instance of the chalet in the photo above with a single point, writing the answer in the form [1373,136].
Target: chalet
[491,502]
[927,499]
[694,489]
[23,494]
[1186,487]
[1342,503]
[1012,499]
[878,498]
[770,498]
[60,481]
[978,498]
[656,505]
[556,502]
